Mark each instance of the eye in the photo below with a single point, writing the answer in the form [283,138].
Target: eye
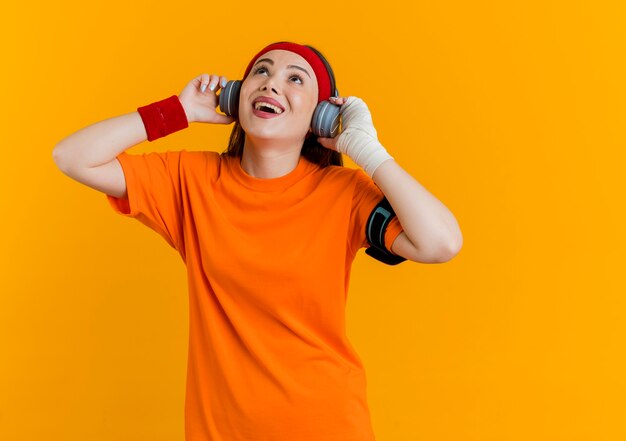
[298,77]
[263,68]
[260,68]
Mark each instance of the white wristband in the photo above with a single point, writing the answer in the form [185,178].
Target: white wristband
[358,138]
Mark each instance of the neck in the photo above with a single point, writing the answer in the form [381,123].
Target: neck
[267,159]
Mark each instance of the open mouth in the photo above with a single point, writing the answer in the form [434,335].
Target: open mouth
[267,108]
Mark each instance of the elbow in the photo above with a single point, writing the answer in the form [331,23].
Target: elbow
[59,156]
[56,152]
[56,155]
[449,252]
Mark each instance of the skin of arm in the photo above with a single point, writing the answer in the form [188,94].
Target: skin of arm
[431,233]
[99,143]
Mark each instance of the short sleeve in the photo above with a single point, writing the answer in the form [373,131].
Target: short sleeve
[153,193]
[365,197]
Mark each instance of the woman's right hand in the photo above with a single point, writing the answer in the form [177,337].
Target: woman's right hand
[200,106]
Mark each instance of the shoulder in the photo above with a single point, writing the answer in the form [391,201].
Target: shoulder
[352,180]
[200,160]
[194,156]
[356,178]
[343,174]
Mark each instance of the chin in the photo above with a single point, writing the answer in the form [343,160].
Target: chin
[255,131]
[270,130]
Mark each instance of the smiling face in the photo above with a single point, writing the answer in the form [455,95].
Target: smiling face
[288,79]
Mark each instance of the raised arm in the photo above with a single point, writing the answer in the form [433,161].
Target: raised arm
[89,155]
[431,233]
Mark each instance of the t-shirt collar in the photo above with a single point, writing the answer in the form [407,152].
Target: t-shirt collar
[270,184]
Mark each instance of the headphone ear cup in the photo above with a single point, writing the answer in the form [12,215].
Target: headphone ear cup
[326,118]
[229,98]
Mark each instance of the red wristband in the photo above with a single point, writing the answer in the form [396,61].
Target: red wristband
[163,117]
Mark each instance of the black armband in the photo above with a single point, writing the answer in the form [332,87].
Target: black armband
[375,229]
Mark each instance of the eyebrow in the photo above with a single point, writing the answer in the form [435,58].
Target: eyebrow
[270,61]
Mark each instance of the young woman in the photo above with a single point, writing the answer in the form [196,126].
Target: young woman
[268,231]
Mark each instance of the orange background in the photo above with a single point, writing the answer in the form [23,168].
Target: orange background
[511,113]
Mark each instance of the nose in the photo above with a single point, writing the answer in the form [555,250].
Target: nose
[268,84]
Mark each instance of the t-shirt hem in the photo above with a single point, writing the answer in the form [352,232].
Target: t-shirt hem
[125,206]
[393,231]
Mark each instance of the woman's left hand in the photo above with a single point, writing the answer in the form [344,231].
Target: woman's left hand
[358,138]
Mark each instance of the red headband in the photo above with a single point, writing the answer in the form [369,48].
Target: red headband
[323,76]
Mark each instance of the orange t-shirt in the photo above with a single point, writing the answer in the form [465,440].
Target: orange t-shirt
[268,264]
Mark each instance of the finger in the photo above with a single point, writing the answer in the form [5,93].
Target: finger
[223,81]
[224,119]
[204,81]
[338,100]
[211,83]
[329,143]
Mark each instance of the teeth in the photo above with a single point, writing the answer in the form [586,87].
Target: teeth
[260,104]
